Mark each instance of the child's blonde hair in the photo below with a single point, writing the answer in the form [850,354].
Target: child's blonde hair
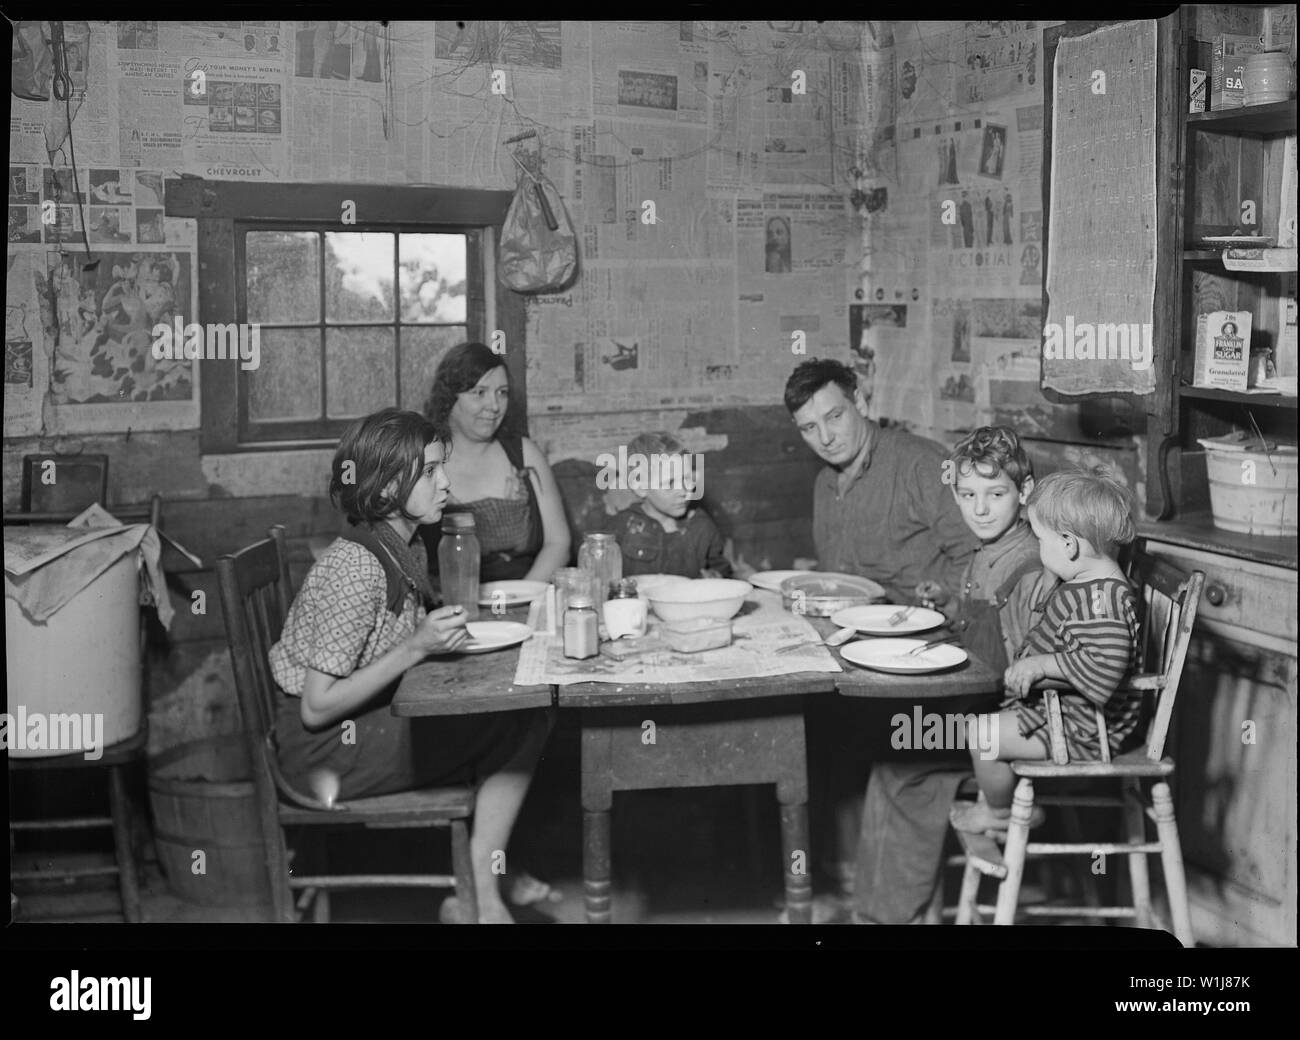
[1089,504]
[656,443]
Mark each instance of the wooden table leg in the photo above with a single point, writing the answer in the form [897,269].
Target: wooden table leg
[794,845]
[595,866]
[597,801]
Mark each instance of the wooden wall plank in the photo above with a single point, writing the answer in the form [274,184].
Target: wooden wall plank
[375,203]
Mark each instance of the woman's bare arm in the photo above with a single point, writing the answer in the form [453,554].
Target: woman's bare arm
[554,552]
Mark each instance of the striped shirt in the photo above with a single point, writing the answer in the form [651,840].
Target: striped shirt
[1091,628]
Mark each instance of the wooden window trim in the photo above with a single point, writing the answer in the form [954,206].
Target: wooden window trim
[218,206]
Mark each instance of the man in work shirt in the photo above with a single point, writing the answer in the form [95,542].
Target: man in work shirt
[882,511]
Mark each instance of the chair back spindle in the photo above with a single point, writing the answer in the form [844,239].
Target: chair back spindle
[1170,598]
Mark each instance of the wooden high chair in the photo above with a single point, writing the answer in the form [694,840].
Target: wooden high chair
[1169,601]
[255,596]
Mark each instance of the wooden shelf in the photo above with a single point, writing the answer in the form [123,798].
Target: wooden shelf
[1237,397]
[1197,531]
[1199,254]
[1277,118]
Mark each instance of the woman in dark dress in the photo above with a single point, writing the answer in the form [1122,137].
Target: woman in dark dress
[495,473]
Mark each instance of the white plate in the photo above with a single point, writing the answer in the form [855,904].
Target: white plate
[873,619]
[485,636]
[509,593]
[771,580]
[1237,240]
[891,655]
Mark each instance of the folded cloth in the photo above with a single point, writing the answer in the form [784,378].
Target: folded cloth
[46,566]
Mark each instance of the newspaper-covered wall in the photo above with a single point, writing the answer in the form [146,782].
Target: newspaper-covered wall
[946,321]
[741,136]
[869,191]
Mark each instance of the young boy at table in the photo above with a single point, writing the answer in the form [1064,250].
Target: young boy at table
[364,615]
[991,478]
[1086,637]
[664,533]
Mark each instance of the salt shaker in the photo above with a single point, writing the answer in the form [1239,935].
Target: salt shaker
[581,636]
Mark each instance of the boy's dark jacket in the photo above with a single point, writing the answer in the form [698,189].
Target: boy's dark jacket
[647,548]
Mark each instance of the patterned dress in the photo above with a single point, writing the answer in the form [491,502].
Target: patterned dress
[1091,627]
[339,622]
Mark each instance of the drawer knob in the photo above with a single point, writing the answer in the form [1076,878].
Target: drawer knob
[1215,595]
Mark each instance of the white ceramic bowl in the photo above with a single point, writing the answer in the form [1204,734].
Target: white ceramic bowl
[719,599]
[648,583]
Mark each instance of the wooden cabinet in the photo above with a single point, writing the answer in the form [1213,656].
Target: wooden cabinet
[1225,177]
[1234,739]
[1234,730]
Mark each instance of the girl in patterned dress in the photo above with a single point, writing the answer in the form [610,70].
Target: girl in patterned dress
[364,615]
[1087,637]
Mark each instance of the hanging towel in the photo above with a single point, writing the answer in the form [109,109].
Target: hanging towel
[1098,333]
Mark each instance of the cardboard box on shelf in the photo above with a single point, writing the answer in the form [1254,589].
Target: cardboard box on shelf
[1284,356]
[1197,91]
[1222,350]
[1227,66]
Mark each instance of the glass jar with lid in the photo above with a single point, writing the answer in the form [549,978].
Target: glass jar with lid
[602,560]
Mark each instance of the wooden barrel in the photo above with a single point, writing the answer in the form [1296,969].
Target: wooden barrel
[207,831]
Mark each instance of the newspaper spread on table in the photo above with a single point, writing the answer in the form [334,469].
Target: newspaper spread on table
[762,627]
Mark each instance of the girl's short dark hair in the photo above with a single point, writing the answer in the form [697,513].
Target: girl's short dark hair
[814,374]
[373,453]
[459,370]
[991,450]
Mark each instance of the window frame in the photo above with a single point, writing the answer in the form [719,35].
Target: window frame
[225,210]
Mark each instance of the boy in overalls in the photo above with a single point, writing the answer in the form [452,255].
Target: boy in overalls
[905,819]
[992,611]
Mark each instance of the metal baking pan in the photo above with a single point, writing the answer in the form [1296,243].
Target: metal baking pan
[820,594]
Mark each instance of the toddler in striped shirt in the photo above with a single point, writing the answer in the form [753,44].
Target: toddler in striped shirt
[1087,637]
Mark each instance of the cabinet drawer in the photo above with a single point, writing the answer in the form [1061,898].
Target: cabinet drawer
[1239,592]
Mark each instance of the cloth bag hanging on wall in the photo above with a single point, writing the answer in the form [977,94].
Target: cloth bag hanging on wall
[539,249]
[33,64]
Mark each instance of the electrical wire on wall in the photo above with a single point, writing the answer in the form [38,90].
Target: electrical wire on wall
[62,89]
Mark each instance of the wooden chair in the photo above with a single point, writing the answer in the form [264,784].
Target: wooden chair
[81,481]
[255,595]
[1169,603]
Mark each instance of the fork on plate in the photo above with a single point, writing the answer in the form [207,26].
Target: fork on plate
[899,616]
[917,650]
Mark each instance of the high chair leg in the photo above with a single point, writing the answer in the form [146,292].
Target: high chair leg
[320,907]
[970,887]
[1171,857]
[1078,867]
[934,909]
[1135,830]
[1022,806]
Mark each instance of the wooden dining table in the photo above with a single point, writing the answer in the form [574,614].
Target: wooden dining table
[696,734]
